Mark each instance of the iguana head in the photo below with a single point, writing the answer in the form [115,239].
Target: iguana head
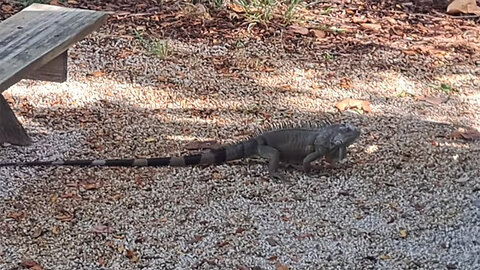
[343,135]
[337,139]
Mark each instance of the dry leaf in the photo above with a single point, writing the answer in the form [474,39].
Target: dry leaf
[96,74]
[295,29]
[102,229]
[116,197]
[371,26]
[384,257]
[149,140]
[318,34]
[403,233]
[346,83]
[31,265]
[90,186]
[53,198]
[463,6]
[273,258]
[55,229]
[353,103]
[279,266]
[195,239]
[101,262]
[68,195]
[64,216]
[236,7]
[433,100]
[272,241]
[17,216]
[132,256]
[37,233]
[359,20]
[470,134]
[7,8]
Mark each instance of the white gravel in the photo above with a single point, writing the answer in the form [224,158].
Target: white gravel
[408,197]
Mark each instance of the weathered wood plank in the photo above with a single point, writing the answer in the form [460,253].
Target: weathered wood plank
[53,71]
[11,131]
[38,34]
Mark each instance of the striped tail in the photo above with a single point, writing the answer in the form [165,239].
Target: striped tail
[216,156]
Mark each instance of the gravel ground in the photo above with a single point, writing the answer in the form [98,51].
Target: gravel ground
[407,197]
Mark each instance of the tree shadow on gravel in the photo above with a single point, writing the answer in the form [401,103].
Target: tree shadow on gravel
[115,126]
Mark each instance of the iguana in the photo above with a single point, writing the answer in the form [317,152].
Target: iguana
[294,145]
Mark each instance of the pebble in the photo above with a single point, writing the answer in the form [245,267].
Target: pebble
[347,217]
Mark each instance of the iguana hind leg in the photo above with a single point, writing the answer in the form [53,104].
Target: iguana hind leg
[307,166]
[273,156]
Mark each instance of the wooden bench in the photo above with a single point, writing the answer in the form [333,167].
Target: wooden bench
[33,45]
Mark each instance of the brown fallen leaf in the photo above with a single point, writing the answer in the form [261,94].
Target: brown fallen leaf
[90,186]
[318,34]
[273,258]
[132,256]
[433,100]
[222,244]
[101,262]
[236,7]
[466,134]
[54,3]
[410,52]
[359,20]
[7,8]
[37,233]
[53,198]
[279,266]
[64,216]
[346,83]
[195,239]
[31,265]
[68,195]
[17,216]
[55,229]
[296,29]
[403,233]
[96,74]
[463,6]
[353,103]
[384,257]
[272,241]
[371,26]
[102,229]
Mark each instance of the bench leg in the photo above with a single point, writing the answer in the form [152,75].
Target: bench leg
[11,131]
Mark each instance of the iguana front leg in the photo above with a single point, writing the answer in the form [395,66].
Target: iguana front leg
[273,156]
[336,155]
[319,152]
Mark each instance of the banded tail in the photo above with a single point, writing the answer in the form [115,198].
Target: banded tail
[217,156]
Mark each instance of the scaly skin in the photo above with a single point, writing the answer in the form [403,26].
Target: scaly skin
[288,145]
